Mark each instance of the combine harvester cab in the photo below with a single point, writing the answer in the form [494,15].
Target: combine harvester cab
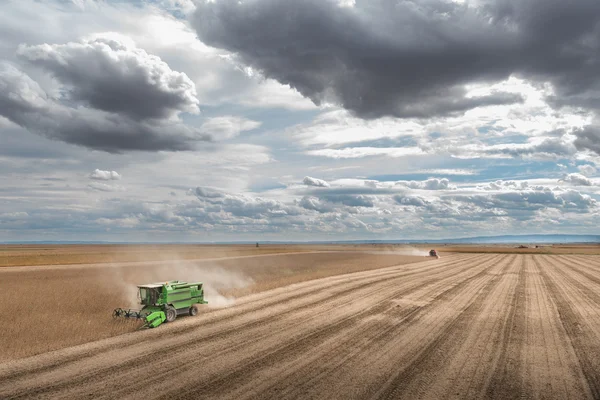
[162,302]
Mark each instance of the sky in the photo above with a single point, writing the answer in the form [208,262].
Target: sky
[228,120]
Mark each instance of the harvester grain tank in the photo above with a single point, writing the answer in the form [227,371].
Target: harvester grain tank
[163,302]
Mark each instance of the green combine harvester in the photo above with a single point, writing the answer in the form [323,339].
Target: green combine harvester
[164,302]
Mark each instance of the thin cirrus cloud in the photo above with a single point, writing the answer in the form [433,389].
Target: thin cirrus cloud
[360,152]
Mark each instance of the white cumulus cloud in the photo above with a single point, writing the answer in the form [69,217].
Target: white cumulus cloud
[101,175]
[577,179]
[309,181]
[429,184]
[587,170]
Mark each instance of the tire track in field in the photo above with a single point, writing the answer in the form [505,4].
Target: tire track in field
[137,361]
[588,299]
[328,356]
[411,342]
[552,368]
[481,355]
[284,350]
[165,355]
[579,334]
[466,326]
[592,263]
[507,379]
[582,269]
[131,361]
[418,378]
[259,307]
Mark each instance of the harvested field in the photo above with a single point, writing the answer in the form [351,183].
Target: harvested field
[527,249]
[465,326]
[43,255]
[51,307]
[26,254]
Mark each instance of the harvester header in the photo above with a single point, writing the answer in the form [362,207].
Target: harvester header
[164,301]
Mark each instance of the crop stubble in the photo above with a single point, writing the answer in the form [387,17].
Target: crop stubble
[52,307]
[464,326]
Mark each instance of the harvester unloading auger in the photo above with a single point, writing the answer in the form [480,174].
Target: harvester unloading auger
[164,301]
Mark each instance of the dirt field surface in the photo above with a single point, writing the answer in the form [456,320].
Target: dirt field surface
[464,326]
[43,255]
[52,307]
[28,254]
[525,249]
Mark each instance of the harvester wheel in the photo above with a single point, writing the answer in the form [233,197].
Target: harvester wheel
[193,311]
[171,314]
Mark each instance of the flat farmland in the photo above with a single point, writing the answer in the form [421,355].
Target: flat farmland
[59,305]
[33,254]
[476,325]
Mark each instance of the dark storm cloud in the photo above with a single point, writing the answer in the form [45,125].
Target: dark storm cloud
[25,103]
[412,58]
[112,76]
